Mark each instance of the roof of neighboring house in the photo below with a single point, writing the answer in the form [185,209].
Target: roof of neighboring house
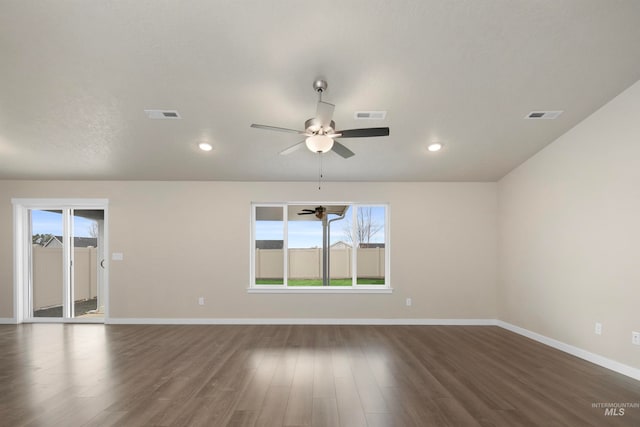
[78,242]
[371,245]
[85,242]
[341,243]
[53,242]
[269,244]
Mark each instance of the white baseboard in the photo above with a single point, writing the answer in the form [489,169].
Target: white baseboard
[621,368]
[7,321]
[74,321]
[296,321]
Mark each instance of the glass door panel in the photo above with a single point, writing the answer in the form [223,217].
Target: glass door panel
[47,263]
[87,262]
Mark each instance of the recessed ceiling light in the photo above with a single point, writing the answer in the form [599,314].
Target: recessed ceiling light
[436,146]
[205,146]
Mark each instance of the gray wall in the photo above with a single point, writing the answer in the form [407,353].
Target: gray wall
[570,235]
[182,240]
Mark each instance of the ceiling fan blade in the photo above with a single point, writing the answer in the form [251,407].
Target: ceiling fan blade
[324,113]
[291,149]
[341,150]
[363,133]
[307,213]
[300,132]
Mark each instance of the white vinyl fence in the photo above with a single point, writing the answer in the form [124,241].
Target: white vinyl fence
[307,263]
[47,275]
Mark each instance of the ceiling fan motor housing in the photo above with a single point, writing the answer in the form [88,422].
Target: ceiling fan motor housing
[314,126]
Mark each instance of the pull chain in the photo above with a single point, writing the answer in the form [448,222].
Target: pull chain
[320,172]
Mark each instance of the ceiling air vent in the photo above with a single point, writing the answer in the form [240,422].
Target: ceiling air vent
[548,115]
[370,115]
[163,114]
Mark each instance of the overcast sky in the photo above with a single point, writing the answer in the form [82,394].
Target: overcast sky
[44,222]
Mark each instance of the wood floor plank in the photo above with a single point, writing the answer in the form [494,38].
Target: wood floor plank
[350,411]
[323,383]
[274,407]
[300,403]
[277,375]
[325,412]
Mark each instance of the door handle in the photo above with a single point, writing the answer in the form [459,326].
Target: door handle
[102,263]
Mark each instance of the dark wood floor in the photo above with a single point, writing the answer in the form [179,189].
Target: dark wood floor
[96,375]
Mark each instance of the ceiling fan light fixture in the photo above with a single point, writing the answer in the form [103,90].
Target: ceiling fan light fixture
[319,143]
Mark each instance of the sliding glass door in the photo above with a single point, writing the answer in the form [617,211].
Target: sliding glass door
[66,264]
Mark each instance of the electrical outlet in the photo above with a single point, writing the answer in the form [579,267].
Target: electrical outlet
[201,301]
[635,338]
[598,328]
[408,302]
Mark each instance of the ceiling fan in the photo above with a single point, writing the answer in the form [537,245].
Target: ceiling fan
[318,212]
[320,130]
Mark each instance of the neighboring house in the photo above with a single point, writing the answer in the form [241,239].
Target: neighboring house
[78,242]
[269,244]
[371,245]
[85,242]
[341,245]
[54,242]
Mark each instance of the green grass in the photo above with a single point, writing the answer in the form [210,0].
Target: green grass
[318,282]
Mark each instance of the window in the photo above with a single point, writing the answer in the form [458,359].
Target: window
[320,246]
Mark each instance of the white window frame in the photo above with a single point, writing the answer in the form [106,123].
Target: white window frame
[354,288]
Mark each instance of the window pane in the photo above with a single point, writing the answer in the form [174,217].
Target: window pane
[369,239]
[340,244]
[269,239]
[305,245]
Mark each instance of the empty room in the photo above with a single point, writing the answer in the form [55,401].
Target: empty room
[285,213]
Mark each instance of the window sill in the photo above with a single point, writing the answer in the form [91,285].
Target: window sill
[319,290]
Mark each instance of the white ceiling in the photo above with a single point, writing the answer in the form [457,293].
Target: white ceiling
[76,77]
